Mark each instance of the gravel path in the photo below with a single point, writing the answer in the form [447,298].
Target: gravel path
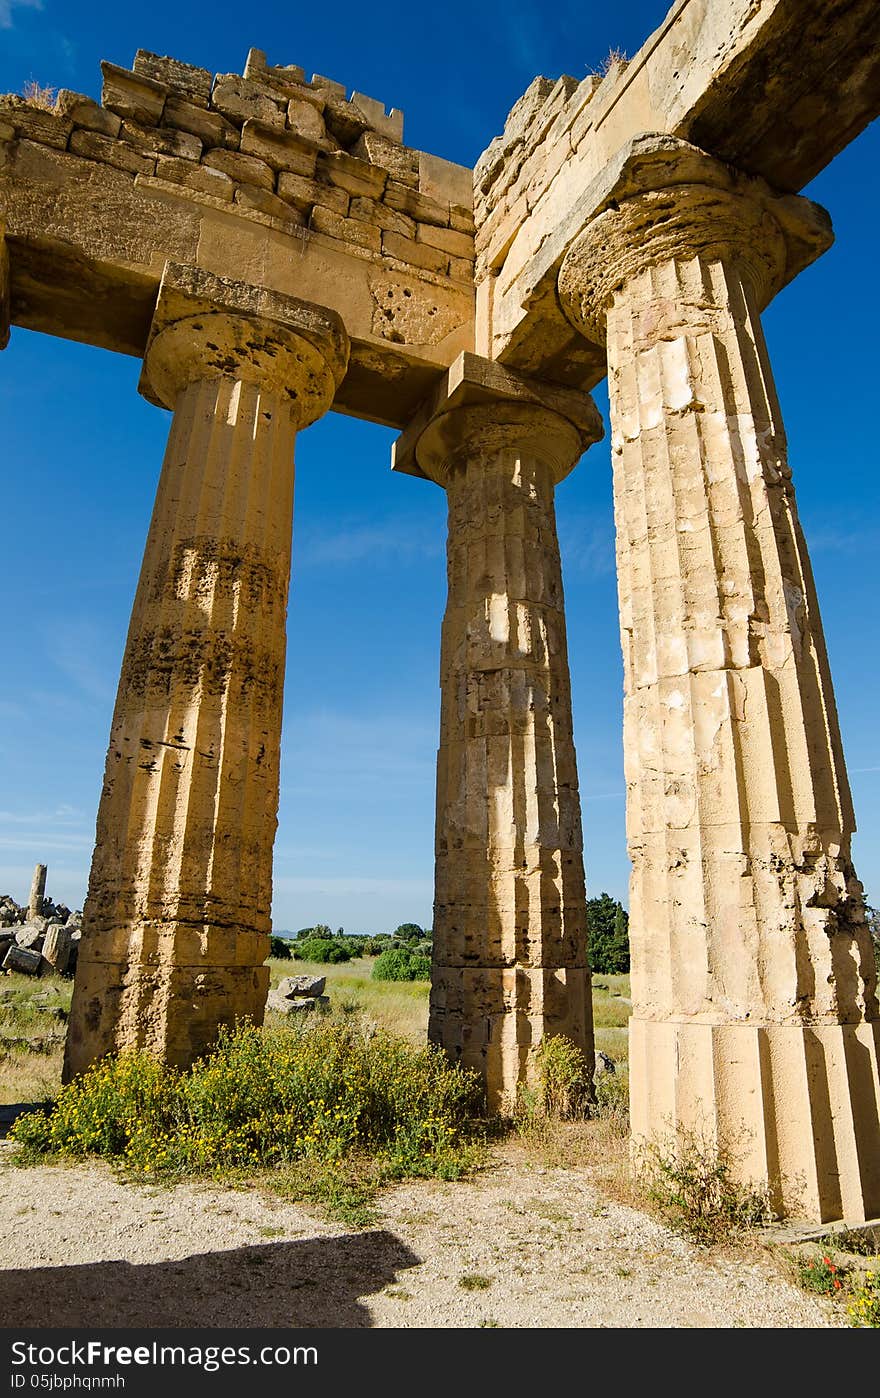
[518,1246]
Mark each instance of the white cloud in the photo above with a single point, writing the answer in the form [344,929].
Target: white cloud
[7,6]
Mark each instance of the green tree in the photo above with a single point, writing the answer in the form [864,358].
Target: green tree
[608,924]
[279,947]
[409,932]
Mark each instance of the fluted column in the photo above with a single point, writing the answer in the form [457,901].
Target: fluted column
[754,986]
[176,923]
[510,945]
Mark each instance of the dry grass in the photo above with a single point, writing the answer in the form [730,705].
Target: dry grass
[398,1006]
[33,1015]
[39,96]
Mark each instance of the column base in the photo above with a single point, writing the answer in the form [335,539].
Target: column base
[174,1012]
[796,1108]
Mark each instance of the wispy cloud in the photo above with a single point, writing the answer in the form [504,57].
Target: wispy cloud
[7,7]
[381,887]
[383,543]
[586,545]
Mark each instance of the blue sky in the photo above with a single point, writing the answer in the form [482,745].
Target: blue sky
[80,454]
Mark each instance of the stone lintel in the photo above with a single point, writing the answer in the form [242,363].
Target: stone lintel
[471,381]
[186,292]
[652,162]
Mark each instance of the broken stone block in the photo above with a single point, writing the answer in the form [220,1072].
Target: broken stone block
[31,934]
[56,948]
[281,1005]
[211,128]
[291,986]
[23,960]
[244,169]
[93,146]
[241,100]
[193,83]
[85,112]
[132,96]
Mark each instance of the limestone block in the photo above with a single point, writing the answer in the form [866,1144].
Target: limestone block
[445,182]
[253,197]
[399,161]
[377,214]
[155,140]
[290,986]
[86,113]
[349,230]
[210,128]
[31,934]
[34,124]
[241,101]
[389,125]
[283,1005]
[244,169]
[283,150]
[304,194]
[415,253]
[415,204]
[23,960]
[356,177]
[132,96]
[200,177]
[447,240]
[193,83]
[305,119]
[56,948]
[461,219]
[461,269]
[92,146]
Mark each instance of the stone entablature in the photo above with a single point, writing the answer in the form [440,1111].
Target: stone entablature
[177,164]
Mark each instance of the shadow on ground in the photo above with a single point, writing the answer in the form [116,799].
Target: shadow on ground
[318,1283]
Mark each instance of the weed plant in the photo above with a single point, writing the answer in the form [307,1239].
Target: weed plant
[326,1095]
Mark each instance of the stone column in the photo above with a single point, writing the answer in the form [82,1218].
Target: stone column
[38,892]
[755,1016]
[510,938]
[176,923]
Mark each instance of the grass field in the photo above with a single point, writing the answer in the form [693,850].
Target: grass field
[33,1017]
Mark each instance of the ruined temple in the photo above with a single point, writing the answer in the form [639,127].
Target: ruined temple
[271,250]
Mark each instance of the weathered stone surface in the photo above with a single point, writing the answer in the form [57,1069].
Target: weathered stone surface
[244,169]
[283,150]
[283,1005]
[93,146]
[191,784]
[210,128]
[753,981]
[290,986]
[356,177]
[203,178]
[304,194]
[252,197]
[240,100]
[349,230]
[22,959]
[38,892]
[56,949]
[510,957]
[155,140]
[84,112]
[193,83]
[132,96]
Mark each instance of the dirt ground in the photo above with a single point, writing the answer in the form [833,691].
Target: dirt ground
[518,1245]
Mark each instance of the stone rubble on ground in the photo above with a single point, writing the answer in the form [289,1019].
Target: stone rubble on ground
[38,942]
[298,994]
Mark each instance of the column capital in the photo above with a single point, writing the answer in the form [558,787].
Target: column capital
[666,200]
[481,405]
[208,327]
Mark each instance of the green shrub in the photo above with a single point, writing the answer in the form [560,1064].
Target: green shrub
[279,947]
[374,946]
[401,964]
[267,1098]
[327,951]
